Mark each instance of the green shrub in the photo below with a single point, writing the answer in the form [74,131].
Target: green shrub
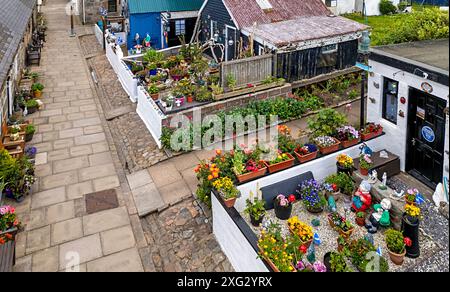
[387,7]
[394,241]
[37,87]
[326,122]
[338,263]
[343,181]
[401,6]
[31,103]
[30,129]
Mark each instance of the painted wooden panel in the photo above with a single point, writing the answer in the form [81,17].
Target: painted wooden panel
[249,70]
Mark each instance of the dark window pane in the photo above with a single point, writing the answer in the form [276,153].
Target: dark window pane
[390,100]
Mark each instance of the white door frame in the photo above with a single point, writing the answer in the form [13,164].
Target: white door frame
[10,96]
[226,39]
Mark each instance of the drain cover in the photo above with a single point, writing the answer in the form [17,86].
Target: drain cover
[100,201]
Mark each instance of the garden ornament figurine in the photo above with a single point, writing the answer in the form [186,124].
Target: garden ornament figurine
[365,149]
[383,185]
[380,217]
[311,254]
[369,238]
[331,204]
[316,239]
[362,200]
[147,41]
[373,177]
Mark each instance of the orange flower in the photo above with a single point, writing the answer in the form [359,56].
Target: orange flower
[215,174]
[8,236]
[2,241]
[218,152]
[210,177]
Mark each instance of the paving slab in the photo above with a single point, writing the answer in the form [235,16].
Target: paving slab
[139,179]
[105,220]
[78,190]
[118,239]
[49,197]
[38,239]
[46,260]
[66,231]
[147,199]
[174,192]
[125,261]
[164,174]
[80,251]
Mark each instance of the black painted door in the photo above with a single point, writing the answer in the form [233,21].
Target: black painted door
[230,43]
[426,137]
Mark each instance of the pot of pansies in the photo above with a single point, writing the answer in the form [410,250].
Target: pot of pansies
[348,136]
[283,206]
[30,129]
[344,164]
[410,229]
[247,164]
[327,144]
[395,243]
[360,218]
[306,152]
[311,193]
[410,196]
[280,162]
[365,164]
[30,152]
[226,190]
[153,90]
[302,230]
[341,224]
[256,210]
[371,130]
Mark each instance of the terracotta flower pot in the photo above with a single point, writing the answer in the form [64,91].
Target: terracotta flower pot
[331,148]
[364,171]
[349,143]
[346,234]
[369,136]
[37,94]
[307,157]
[281,165]
[155,96]
[397,258]
[190,98]
[360,221]
[229,202]
[251,175]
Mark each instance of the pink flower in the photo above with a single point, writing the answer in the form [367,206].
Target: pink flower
[3,210]
[319,267]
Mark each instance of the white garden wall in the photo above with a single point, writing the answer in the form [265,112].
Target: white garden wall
[150,114]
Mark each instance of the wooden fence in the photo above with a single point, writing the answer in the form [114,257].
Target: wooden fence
[249,70]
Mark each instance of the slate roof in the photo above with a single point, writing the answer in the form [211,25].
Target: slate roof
[151,6]
[246,12]
[14,17]
[305,29]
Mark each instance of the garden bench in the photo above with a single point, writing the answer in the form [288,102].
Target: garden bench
[286,187]
[8,252]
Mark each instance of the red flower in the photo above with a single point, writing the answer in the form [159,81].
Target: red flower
[335,188]
[303,249]
[407,241]
[291,198]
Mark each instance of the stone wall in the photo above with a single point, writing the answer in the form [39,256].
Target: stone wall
[91,10]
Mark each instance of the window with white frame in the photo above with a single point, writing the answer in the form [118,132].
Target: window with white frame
[331,3]
[329,49]
[264,4]
[180,27]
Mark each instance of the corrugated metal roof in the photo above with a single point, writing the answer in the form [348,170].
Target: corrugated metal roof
[149,6]
[14,17]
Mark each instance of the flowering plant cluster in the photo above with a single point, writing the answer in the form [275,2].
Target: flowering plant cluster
[279,158]
[283,201]
[365,162]
[226,188]
[324,141]
[412,211]
[311,193]
[411,195]
[274,248]
[306,149]
[340,221]
[302,230]
[344,160]
[330,188]
[372,128]
[8,218]
[30,151]
[303,266]
[246,160]
[347,133]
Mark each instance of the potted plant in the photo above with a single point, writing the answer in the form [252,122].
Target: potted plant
[227,190]
[337,262]
[283,206]
[177,73]
[371,130]
[395,243]
[169,103]
[344,164]
[348,136]
[37,88]
[306,152]
[280,162]
[153,90]
[410,196]
[34,76]
[311,194]
[14,132]
[365,163]
[30,152]
[9,224]
[410,229]
[359,254]
[247,165]
[255,209]
[32,106]
[360,218]
[272,248]
[30,129]
[342,242]
[152,69]
[343,181]
[302,230]
[327,144]
[341,224]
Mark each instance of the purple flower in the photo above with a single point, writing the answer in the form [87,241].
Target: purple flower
[319,267]
[300,266]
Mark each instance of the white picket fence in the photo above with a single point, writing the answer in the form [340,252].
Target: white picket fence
[150,114]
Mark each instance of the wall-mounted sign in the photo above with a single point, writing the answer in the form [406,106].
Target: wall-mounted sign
[401,113]
[428,134]
[420,113]
[426,87]
[403,100]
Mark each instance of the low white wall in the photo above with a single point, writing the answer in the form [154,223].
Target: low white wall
[235,246]
[372,6]
[345,6]
[150,114]
[397,134]
[124,74]
[98,34]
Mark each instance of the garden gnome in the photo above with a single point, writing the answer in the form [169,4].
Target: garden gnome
[147,41]
[331,204]
[362,200]
[380,217]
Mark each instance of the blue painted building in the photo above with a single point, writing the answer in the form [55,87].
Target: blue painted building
[163,20]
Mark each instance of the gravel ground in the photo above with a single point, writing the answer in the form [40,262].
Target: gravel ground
[432,250]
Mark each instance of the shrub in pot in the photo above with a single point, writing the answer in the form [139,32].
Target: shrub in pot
[255,209]
[338,263]
[365,164]
[227,190]
[283,206]
[153,90]
[32,106]
[30,129]
[153,69]
[395,243]
[343,181]
[360,218]
[37,88]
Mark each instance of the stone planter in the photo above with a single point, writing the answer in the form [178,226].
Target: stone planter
[281,165]
[307,157]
